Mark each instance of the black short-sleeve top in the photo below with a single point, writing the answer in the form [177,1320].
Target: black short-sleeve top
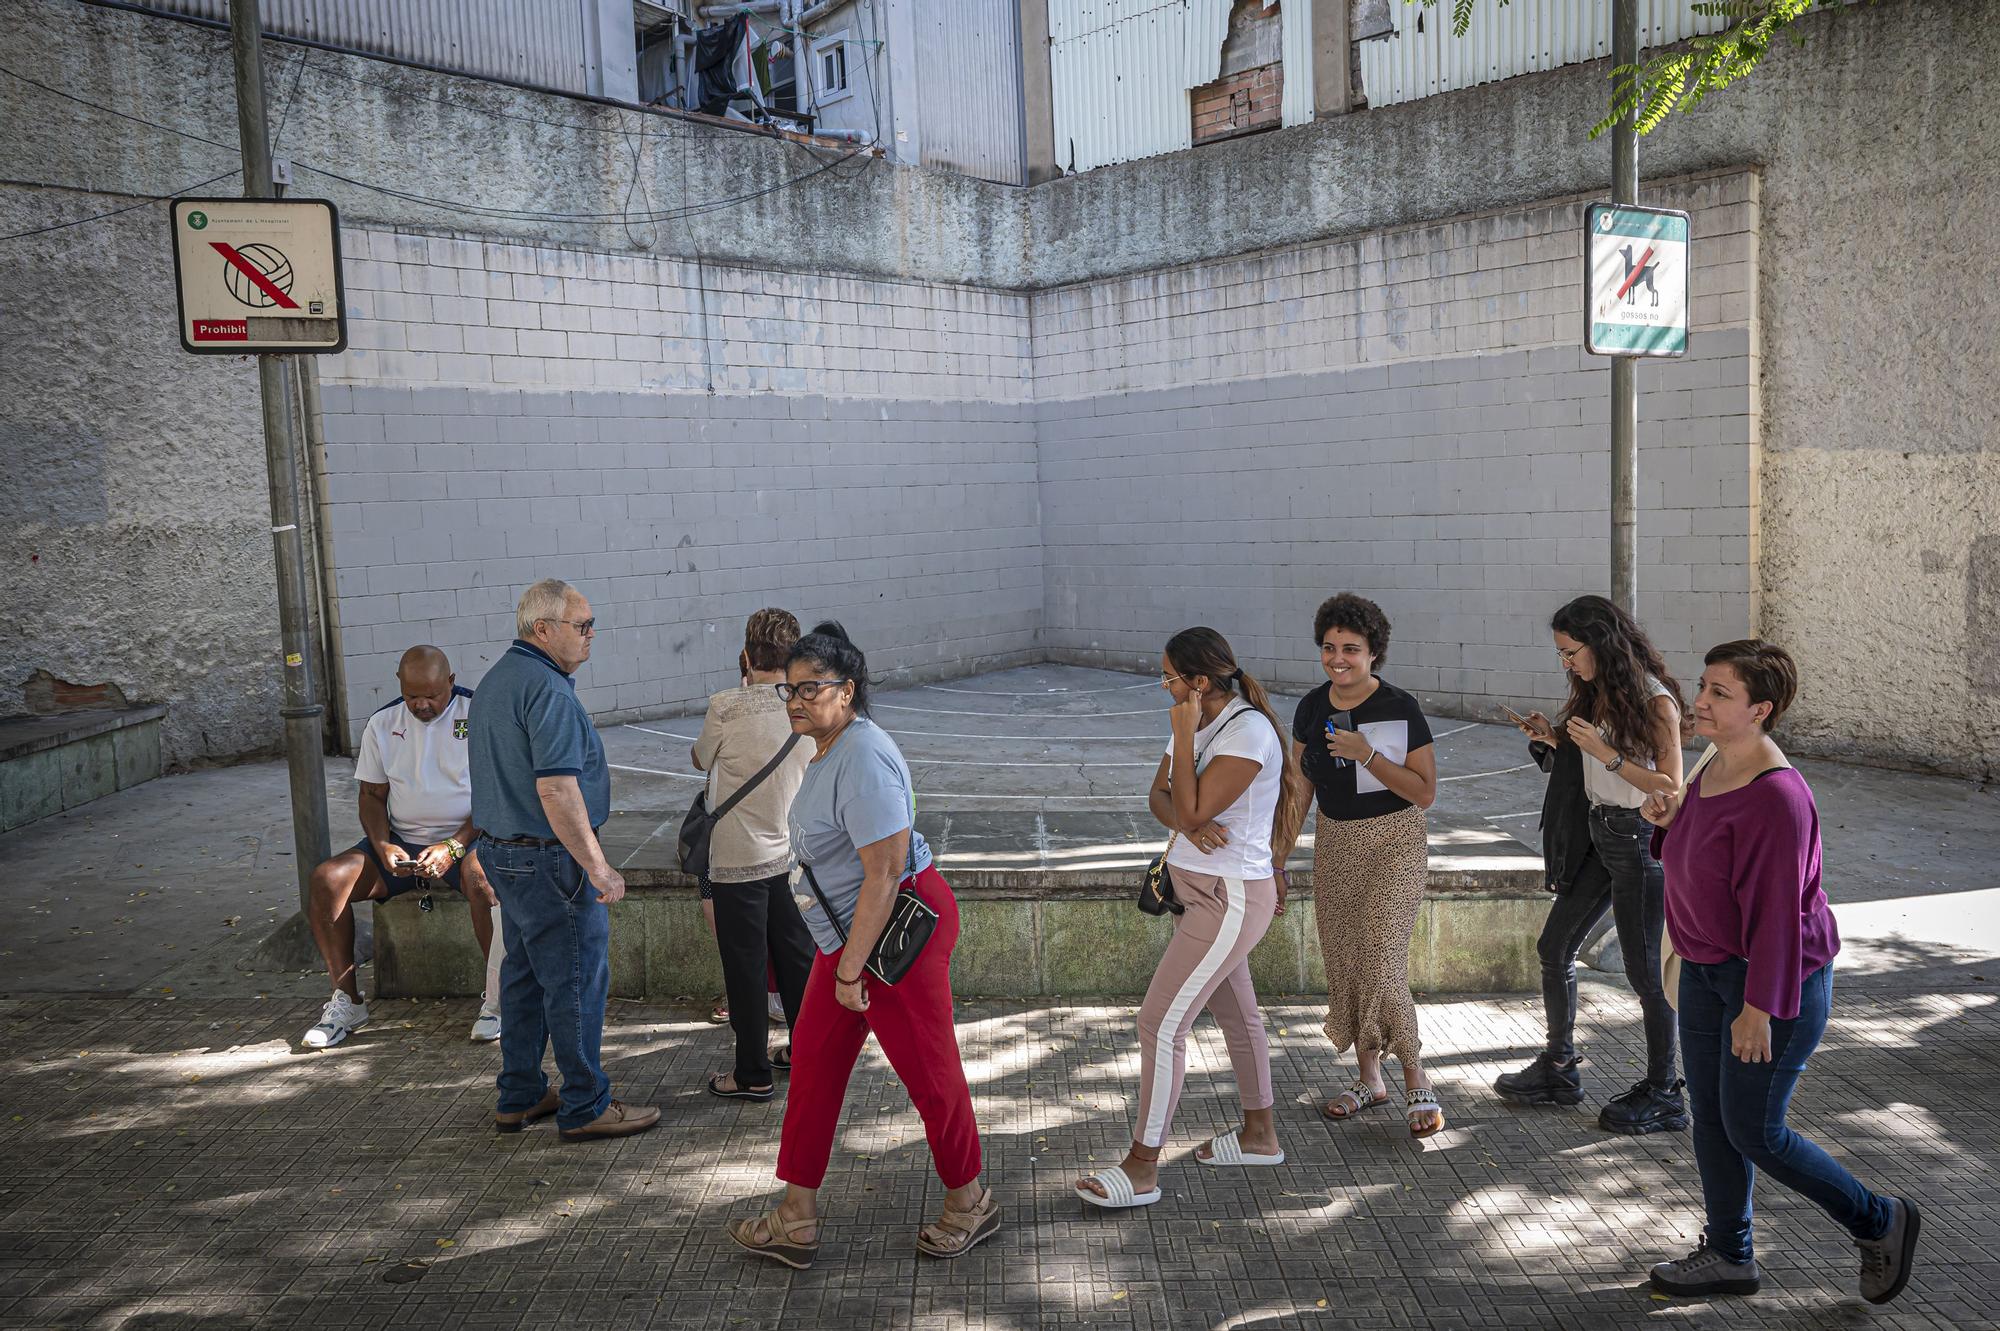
[1392,722]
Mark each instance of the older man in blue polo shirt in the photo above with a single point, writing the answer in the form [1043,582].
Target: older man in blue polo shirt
[540,791]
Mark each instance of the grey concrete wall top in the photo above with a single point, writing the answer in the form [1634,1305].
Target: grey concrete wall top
[499,158]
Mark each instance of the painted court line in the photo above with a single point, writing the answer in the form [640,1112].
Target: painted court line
[1038,693]
[1499,771]
[1028,716]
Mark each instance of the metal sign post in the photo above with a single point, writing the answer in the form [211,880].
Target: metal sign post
[274,288]
[1624,373]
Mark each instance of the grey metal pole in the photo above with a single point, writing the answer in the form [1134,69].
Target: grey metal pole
[303,758]
[1624,369]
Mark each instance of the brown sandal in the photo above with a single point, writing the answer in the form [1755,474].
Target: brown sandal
[954,1233]
[780,1247]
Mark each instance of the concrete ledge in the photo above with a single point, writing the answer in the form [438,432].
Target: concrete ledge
[1010,946]
[52,763]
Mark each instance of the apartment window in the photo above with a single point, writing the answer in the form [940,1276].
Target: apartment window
[830,68]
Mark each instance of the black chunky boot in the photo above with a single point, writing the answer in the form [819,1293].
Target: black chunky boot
[1646,1108]
[1546,1081]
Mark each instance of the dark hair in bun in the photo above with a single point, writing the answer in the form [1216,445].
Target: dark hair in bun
[830,649]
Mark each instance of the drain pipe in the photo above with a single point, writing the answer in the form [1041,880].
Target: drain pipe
[307,374]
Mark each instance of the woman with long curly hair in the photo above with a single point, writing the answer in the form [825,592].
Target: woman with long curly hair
[1623,718]
[1233,798]
[1366,748]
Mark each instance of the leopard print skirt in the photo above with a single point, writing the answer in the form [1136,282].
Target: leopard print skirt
[1368,884]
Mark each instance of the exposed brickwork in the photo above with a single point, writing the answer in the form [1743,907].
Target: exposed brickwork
[1239,103]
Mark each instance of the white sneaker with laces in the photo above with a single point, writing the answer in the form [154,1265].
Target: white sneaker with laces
[340,1018]
[487,1028]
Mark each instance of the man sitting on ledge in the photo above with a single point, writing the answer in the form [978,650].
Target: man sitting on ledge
[416,817]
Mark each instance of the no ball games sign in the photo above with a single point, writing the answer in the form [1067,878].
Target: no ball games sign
[258,275]
[1635,281]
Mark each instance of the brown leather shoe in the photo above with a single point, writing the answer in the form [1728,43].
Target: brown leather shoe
[521,1118]
[618,1120]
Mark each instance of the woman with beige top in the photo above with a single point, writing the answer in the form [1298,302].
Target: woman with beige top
[749,853]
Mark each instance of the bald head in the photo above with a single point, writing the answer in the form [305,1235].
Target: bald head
[426,680]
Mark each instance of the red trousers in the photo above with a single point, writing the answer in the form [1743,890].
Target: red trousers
[912,1021]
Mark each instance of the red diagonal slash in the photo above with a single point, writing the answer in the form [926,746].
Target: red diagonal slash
[1637,270]
[270,288]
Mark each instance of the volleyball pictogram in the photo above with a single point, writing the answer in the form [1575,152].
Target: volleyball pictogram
[268,286]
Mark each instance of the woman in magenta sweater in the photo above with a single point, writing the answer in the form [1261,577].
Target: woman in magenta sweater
[1744,908]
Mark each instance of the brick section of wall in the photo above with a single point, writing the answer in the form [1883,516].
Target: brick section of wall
[449,310]
[1467,495]
[1473,284]
[678,514]
[1239,104]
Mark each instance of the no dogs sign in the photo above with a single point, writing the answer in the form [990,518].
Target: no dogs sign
[258,275]
[1635,281]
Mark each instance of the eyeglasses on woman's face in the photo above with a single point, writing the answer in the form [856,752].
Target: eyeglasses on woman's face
[808,689]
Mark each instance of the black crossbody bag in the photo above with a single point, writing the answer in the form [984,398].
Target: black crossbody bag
[1156,889]
[911,924]
[699,825]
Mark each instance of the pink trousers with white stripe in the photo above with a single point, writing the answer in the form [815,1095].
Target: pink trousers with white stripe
[1207,965]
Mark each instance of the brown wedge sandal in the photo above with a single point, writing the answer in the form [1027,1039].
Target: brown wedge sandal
[779,1247]
[954,1233]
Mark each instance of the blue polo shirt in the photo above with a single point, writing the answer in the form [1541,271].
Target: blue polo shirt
[527,722]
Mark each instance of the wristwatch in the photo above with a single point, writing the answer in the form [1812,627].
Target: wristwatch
[457,848]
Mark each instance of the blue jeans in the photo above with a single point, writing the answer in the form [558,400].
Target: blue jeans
[554,980]
[1739,1110]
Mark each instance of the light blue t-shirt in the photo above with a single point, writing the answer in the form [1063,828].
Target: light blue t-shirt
[854,795]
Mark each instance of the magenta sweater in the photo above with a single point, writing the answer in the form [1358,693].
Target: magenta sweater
[1743,881]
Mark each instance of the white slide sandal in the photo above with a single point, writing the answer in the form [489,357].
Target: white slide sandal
[1119,1186]
[1229,1151]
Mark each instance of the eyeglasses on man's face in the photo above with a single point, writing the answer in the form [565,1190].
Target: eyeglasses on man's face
[584,627]
[809,689]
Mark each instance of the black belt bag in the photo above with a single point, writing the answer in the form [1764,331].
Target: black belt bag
[699,825]
[911,924]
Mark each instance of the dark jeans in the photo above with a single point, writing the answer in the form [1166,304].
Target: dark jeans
[1739,1110]
[755,921]
[554,980]
[1620,875]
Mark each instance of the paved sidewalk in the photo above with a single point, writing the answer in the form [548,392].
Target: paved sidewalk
[168,1158]
[168,1161]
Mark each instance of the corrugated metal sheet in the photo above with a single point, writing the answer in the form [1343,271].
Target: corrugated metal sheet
[538,42]
[1120,72]
[969,58]
[1423,58]
[1295,19]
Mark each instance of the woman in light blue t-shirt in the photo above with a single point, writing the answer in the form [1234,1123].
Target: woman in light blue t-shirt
[854,836]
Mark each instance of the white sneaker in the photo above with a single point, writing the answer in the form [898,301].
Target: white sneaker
[340,1018]
[487,1029]
[776,1007]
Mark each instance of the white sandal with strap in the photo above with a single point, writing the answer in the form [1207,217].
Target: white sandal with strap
[1120,1193]
[1228,1150]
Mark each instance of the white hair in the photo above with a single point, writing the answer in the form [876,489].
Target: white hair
[547,599]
